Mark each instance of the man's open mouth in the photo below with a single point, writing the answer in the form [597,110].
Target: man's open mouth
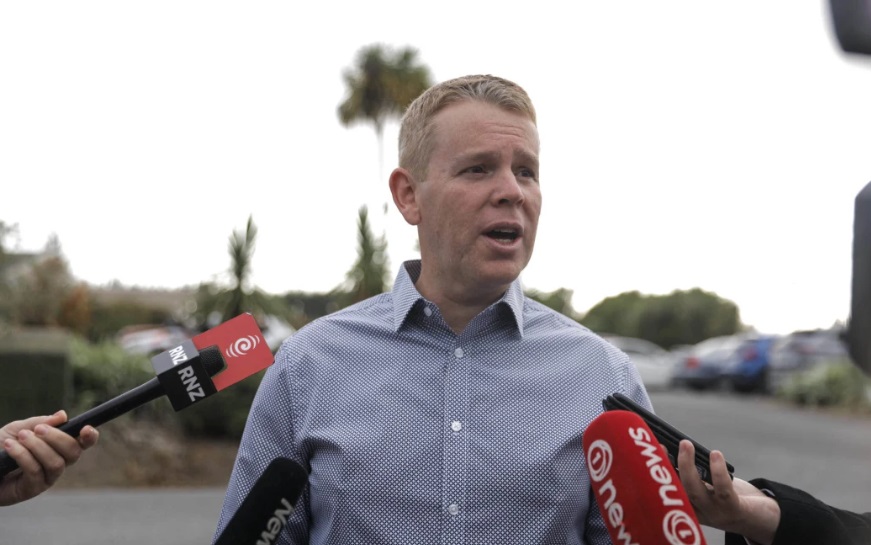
[503,235]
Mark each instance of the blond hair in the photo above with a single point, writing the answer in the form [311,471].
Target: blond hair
[416,130]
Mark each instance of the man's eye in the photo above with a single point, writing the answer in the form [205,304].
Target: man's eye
[477,169]
[526,173]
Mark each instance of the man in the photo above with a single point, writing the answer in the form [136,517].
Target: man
[764,512]
[451,409]
[42,452]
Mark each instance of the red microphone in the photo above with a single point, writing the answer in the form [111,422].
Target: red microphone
[638,491]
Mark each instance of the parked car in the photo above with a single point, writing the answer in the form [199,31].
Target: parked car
[748,368]
[652,361]
[702,366]
[152,339]
[803,351]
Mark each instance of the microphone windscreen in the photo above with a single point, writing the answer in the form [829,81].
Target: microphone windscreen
[264,512]
[212,359]
[638,491]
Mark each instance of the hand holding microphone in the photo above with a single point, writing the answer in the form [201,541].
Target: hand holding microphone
[730,504]
[638,491]
[43,453]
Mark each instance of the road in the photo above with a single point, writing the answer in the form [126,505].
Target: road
[824,453]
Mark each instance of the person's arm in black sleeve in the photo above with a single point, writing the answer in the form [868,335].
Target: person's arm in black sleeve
[805,519]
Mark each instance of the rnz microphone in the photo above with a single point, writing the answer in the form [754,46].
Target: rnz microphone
[638,491]
[197,369]
[186,374]
[264,512]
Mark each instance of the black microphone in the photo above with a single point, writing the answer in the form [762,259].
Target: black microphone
[209,359]
[852,22]
[264,512]
[858,334]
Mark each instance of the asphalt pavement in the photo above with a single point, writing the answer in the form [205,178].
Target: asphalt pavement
[162,516]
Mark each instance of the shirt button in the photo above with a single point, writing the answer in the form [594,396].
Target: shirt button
[458,352]
[456,425]
[427,311]
[453,508]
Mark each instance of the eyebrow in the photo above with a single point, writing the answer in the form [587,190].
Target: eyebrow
[521,156]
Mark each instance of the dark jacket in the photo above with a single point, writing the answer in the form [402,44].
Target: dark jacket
[805,520]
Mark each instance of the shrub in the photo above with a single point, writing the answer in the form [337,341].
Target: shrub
[35,365]
[103,371]
[838,383]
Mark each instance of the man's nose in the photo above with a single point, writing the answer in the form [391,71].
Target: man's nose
[507,188]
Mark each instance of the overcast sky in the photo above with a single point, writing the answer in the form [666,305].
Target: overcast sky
[685,144]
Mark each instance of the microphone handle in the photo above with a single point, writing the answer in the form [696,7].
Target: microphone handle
[100,414]
[114,408]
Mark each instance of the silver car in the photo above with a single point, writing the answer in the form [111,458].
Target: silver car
[654,363]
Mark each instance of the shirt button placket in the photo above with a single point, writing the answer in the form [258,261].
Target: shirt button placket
[456,444]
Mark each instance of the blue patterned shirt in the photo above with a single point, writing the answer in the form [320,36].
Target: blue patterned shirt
[416,435]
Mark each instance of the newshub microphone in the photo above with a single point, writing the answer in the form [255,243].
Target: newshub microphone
[264,512]
[638,491]
[186,374]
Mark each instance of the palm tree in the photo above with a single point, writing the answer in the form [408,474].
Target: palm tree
[368,275]
[381,85]
[241,249]
[241,296]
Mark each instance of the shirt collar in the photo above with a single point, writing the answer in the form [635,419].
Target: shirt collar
[406,296]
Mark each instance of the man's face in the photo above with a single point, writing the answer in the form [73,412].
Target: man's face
[479,206]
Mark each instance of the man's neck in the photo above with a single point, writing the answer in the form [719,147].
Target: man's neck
[458,308]
[458,316]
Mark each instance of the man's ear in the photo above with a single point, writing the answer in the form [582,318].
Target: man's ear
[403,189]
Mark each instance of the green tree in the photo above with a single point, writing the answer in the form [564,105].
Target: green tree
[75,312]
[108,318]
[368,276]
[38,296]
[5,290]
[617,315]
[305,306]
[241,249]
[681,317]
[380,85]
[5,231]
[242,296]
[559,300]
